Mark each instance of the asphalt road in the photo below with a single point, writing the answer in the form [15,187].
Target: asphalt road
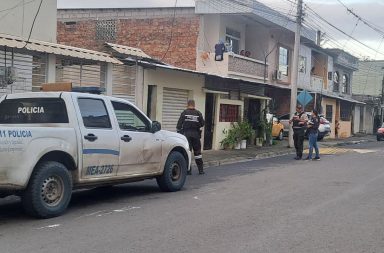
[272,205]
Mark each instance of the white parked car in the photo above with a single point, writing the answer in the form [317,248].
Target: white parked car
[53,142]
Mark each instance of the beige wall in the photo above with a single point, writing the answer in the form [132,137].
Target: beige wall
[324,103]
[218,135]
[18,21]
[345,129]
[164,78]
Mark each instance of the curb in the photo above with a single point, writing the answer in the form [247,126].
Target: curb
[249,159]
[273,154]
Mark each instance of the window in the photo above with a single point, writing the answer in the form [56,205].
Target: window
[106,30]
[283,61]
[329,112]
[232,39]
[336,81]
[302,64]
[33,111]
[129,118]
[345,84]
[229,113]
[94,113]
[345,111]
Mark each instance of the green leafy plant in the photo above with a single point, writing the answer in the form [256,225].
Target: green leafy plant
[239,131]
[245,130]
[230,139]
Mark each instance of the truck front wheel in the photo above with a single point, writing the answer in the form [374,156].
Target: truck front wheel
[49,190]
[175,173]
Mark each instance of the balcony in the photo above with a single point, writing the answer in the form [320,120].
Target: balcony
[317,83]
[232,65]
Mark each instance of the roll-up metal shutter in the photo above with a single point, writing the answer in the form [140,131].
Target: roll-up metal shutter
[124,82]
[28,72]
[80,74]
[174,102]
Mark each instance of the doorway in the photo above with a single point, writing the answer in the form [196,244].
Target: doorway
[209,120]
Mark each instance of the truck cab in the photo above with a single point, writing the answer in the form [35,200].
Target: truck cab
[54,142]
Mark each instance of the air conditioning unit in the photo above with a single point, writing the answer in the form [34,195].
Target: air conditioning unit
[276,75]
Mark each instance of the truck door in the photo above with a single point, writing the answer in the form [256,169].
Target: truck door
[140,150]
[100,142]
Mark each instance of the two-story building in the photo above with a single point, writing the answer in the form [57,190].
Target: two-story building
[368,83]
[30,57]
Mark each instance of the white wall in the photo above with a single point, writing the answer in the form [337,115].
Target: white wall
[18,19]
[356,119]
[257,41]
[163,78]
[304,78]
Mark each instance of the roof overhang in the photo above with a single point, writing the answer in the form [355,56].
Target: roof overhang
[256,97]
[127,51]
[350,100]
[56,49]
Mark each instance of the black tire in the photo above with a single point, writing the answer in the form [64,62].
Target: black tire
[49,190]
[281,135]
[320,138]
[378,138]
[174,174]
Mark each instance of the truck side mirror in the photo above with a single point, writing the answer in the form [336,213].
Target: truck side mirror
[156,126]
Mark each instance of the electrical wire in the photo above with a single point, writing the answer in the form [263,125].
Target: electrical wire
[33,24]
[341,31]
[171,37]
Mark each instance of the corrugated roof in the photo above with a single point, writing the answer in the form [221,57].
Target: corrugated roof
[125,50]
[57,49]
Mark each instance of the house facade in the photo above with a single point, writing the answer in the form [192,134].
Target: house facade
[244,50]
[367,86]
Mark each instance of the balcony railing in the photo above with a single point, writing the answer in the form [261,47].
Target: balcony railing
[240,65]
[317,83]
[234,65]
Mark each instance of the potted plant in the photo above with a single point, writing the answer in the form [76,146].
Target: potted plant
[245,132]
[229,140]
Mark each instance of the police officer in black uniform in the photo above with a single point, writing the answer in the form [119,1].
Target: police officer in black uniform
[299,125]
[189,124]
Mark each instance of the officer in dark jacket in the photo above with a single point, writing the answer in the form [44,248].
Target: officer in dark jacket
[299,125]
[189,124]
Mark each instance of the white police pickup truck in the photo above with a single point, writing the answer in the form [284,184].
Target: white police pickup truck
[54,142]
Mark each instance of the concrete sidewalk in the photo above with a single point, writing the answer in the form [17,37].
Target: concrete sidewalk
[221,157]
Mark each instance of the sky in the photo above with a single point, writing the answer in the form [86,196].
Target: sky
[331,10]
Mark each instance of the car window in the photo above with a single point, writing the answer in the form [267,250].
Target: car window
[94,113]
[286,116]
[33,111]
[129,118]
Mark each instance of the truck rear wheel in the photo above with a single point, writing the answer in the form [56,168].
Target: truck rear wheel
[49,190]
[175,173]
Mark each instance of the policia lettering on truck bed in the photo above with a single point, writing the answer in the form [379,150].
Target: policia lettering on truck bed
[52,142]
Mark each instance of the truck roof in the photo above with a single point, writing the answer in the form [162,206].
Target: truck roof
[45,94]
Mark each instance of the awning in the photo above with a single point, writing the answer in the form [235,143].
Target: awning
[256,97]
[215,91]
[57,49]
[125,50]
[350,100]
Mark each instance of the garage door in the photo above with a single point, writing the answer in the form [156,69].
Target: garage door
[174,102]
[124,79]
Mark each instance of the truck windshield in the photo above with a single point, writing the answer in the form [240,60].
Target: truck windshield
[33,111]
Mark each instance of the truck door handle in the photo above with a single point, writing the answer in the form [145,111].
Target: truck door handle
[90,137]
[126,138]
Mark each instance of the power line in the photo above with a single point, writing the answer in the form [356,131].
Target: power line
[171,37]
[341,31]
[33,23]
[366,22]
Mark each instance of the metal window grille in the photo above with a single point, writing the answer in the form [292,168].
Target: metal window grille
[229,113]
[106,30]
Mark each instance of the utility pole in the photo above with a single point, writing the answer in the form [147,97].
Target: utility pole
[295,66]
